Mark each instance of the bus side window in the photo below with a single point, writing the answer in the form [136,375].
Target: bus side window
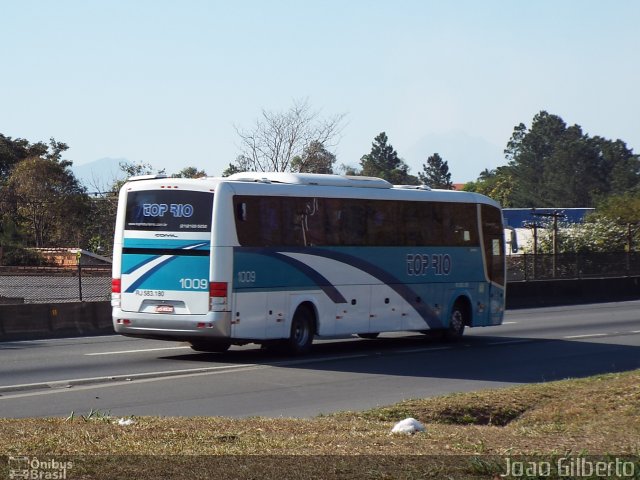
[270,221]
[437,225]
[413,224]
[332,221]
[353,228]
[381,228]
[313,222]
[241,211]
[293,213]
[247,221]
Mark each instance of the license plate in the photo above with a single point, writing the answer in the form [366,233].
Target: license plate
[164,309]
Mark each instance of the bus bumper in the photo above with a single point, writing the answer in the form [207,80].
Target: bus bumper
[172,327]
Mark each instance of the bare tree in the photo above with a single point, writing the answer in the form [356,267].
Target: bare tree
[278,137]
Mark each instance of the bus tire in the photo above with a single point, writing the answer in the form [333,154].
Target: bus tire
[209,346]
[457,321]
[302,332]
[369,336]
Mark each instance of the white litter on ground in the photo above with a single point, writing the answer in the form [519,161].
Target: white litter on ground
[408,426]
[125,422]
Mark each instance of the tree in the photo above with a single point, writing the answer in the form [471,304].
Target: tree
[14,151]
[242,164]
[278,137]
[614,226]
[496,184]
[528,152]
[436,173]
[11,152]
[555,165]
[131,169]
[190,172]
[349,170]
[623,208]
[621,166]
[315,159]
[40,195]
[50,201]
[383,162]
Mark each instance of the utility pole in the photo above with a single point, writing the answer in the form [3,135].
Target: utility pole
[533,226]
[554,239]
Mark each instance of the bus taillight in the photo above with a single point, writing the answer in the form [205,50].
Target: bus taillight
[217,295]
[116,289]
[217,289]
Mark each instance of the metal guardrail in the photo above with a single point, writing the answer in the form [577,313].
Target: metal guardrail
[93,284]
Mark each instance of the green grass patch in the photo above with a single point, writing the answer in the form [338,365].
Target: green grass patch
[592,416]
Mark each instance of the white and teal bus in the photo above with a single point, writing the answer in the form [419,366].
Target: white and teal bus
[280,258]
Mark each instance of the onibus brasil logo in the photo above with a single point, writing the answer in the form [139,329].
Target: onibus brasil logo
[34,468]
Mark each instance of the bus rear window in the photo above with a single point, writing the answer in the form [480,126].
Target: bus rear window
[169,211]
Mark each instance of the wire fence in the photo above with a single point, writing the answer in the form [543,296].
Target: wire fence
[529,267]
[93,283]
[51,284]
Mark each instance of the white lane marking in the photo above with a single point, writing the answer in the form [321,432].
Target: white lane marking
[419,350]
[511,342]
[55,341]
[136,351]
[591,335]
[60,386]
[422,350]
[509,323]
[635,331]
[126,377]
[118,382]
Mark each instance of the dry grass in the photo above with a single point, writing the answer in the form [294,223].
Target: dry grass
[598,415]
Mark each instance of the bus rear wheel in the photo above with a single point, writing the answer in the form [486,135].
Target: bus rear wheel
[302,332]
[210,346]
[457,322]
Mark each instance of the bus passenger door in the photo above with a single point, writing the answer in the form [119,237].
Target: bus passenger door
[495,265]
[494,256]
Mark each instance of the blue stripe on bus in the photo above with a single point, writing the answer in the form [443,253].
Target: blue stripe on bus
[134,286]
[401,288]
[163,243]
[321,281]
[407,293]
[135,267]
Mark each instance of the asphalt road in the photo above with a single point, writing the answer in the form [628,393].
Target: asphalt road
[124,376]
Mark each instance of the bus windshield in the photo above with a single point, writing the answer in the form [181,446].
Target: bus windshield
[169,211]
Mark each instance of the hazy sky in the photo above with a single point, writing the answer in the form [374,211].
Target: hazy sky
[164,82]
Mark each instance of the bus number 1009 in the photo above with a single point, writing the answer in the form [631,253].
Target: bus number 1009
[247,277]
[194,283]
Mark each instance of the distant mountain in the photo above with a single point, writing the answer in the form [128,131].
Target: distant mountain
[100,174]
[466,155]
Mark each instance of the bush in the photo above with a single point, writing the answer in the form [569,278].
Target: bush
[22,257]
